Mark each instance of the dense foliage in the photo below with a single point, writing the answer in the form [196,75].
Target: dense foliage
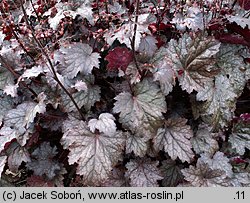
[124,93]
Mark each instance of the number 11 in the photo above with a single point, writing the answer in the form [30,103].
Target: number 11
[240,195]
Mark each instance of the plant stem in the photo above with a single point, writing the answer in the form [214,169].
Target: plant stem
[49,60]
[21,44]
[32,4]
[134,36]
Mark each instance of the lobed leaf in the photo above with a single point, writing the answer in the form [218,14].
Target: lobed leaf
[203,176]
[193,60]
[171,172]
[42,161]
[143,173]
[204,142]
[240,137]
[137,142]
[79,57]
[142,109]
[95,153]
[105,123]
[174,139]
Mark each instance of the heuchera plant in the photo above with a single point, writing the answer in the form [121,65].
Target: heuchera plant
[125,93]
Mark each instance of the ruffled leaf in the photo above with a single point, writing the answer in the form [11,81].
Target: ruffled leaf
[105,123]
[240,137]
[171,172]
[142,109]
[83,98]
[220,95]
[204,142]
[42,161]
[95,153]
[143,173]
[218,161]
[203,176]
[163,71]
[193,60]
[79,57]
[174,139]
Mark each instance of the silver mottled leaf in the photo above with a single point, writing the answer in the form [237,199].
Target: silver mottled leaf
[137,142]
[23,115]
[231,62]
[240,137]
[3,160]
[218,161]
[6,78]
[220,96]
[241,21]
[174,139]
[143,109]
[105,123]
[95,153]
[162,70]
[203,176]
[204,141]
[83,98]
[220,102]
[143,173]
[6,104]
[6,135]
[147,46]
[193,59]
[79,57]
[241,180]
[116,179]
[171,172]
